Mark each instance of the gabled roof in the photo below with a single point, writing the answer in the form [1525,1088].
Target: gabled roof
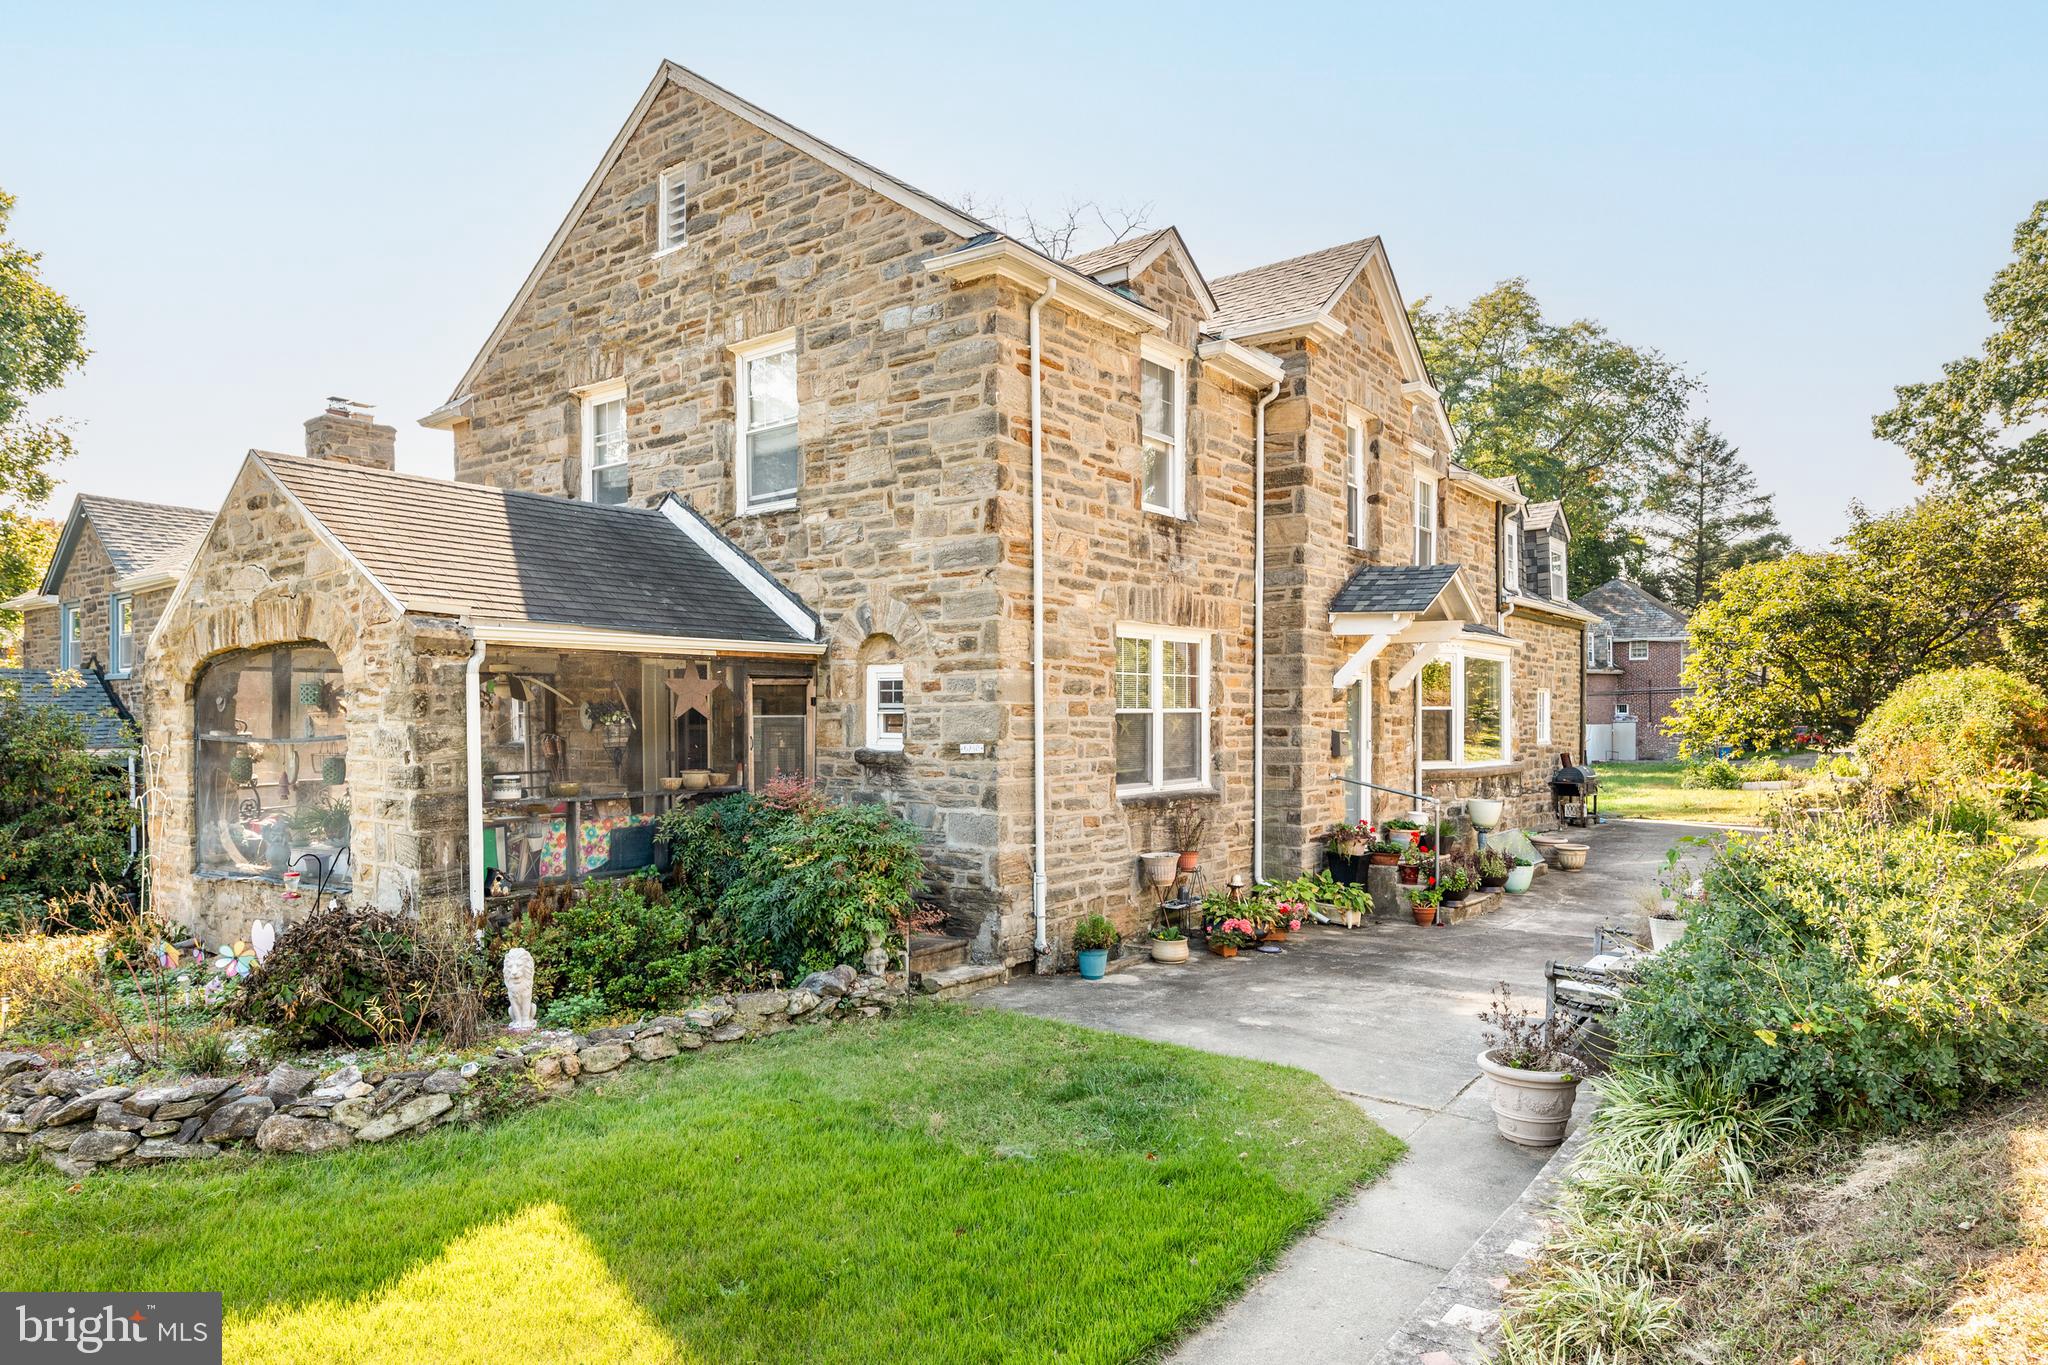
[1394,589]
[78,693]
[867,176]
[139,537]
[502,558]
[1121,262]
[1542,516]
[1287,289]
[1631,612]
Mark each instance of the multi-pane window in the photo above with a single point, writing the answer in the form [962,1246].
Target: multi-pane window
[1511,556]
[1638,650]
[121,645]
[1425,519]
[770,465]
[606,478]
[887,714]
[70,638]
[1354,486]
[1160,408]
[1162,722]
[674,204]
[1464,709]
[1557,590]
[272,777]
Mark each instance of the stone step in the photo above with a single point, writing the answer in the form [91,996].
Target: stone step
[951,983]
[936,952]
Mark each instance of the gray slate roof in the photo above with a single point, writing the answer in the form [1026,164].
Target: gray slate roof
[1628,612]
[137,536]
[1393,587]
[1300,284]
[88,700]
[491,555]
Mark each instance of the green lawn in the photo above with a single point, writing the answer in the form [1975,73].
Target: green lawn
[1650,791]
[957,1185]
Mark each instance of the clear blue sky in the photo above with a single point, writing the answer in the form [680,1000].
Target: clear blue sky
[258,207]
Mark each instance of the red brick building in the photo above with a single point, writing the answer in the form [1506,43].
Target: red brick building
[1634,658]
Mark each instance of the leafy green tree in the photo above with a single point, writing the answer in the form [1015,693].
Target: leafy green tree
[1573,413]
[26,544]
[64,815]
[1984,424]
[1821,639]
[1706,516]
[42,339]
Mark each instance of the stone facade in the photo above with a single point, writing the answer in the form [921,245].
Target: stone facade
[88,586]
[264,577]
[910,535]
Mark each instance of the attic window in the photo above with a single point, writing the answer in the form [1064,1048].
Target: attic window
[674,206]
[1557,591]
[1511,557]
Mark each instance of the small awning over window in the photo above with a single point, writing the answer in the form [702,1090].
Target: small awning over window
[522,561]
[1401,604]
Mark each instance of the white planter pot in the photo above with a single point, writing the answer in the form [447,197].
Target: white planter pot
[1532,1108]
[1665,932]
[1169,950]
[1160,868]
[1483,814]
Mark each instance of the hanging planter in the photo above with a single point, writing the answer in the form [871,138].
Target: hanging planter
[334,770]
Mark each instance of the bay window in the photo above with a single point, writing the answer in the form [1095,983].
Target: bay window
[1462,698]
[769,462]
[1162,709]
[273,765]
[605,476]
[1162,407]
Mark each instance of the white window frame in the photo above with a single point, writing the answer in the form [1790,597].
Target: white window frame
[1557,573]
[743,459]
[1157,709]
[70,637]
[1175,362]
[670,234]
[1424,517]
[1543,716]
[1354,480]
[118,667]
[1457,656]
[590,399]
[1621,711]
[1511,557]
[1638,651]
[877,737]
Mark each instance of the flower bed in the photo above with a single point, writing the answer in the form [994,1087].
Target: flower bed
[79,1121]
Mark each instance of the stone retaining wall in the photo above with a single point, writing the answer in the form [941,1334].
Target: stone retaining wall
[78,1125]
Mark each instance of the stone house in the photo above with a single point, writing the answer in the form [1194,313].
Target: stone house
[1635,659]
[777,465]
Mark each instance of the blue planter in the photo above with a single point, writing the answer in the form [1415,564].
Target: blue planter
[1094,963]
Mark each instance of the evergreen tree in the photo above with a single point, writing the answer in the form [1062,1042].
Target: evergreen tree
[1705,517]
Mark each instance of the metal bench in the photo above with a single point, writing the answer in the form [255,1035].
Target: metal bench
[1591,990]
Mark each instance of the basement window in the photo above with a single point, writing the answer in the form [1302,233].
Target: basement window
[272,769]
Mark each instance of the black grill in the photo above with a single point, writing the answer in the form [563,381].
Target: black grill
[1575,793]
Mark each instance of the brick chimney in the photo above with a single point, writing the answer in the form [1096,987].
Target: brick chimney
[346,432]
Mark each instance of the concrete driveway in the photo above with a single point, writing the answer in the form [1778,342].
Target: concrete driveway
[1386,1015]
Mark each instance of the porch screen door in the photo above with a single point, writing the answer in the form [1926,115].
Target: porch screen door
[1358,748]
[778,731]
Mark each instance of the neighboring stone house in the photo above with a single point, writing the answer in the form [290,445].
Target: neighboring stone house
[115,566]
[899,457]
[1635,659]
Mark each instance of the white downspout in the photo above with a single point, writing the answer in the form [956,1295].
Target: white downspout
[473,761]
[1038,942]
[1259,633]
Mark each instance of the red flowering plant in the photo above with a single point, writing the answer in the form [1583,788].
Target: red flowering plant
[1235,932]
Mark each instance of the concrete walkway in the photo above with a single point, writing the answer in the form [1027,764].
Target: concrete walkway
[1387,1015]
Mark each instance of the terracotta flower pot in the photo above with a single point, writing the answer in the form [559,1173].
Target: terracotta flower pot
[1425,915]
[1384,859]
[1223,949]
[1410,875]
[1190,859]
[1275,936]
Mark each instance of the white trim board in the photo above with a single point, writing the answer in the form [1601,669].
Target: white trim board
[750,575]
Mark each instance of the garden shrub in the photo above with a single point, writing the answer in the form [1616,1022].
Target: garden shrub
[1711,773]
[43,979]
[346,975]
[634,945]
[1962,735]
[64,814]
[814,885]
[1765,770]
[1864,973]
[708,841]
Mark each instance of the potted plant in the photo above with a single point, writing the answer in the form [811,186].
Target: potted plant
[1185,822]
[1352,903]
[1400,827]
[1284,918]
[1455,882]
[1093,938]
[1535,1075]
[1423,901]
[1569,857]
[1521,876]
[1230,935]
[1413,860]
[1169,944]
[1493,870]
[1160,869]
[1385,853]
